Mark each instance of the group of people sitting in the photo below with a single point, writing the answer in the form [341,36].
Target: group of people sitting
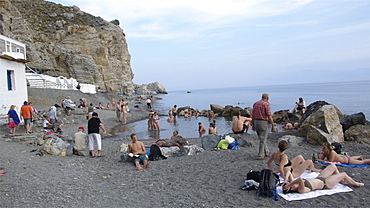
[291,170]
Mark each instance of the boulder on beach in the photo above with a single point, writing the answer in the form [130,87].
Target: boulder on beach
[210,141]
[354,119]
[358,133]
[323,126]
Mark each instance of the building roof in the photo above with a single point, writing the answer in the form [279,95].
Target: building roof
[13,59]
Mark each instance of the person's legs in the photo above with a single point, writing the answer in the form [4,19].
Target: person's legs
[359,162]
[98,143]
[306,165]
[91,144]
[262,132]
[146,164]
[328,171]
[137,165]
[335,179]
[124,118]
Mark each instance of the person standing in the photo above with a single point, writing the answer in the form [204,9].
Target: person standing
[261,116]
[149,103]
[201,129]
[118,108]
[26,114]
[174,111]
[13,119]
[93,126]
[53,115]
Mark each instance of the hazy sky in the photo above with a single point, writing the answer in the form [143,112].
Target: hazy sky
[197,44]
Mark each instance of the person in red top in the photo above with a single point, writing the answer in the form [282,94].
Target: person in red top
[261,116]
[26,112]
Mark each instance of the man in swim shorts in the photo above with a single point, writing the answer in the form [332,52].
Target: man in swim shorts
[138,152]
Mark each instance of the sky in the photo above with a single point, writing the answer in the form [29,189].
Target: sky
[204,44]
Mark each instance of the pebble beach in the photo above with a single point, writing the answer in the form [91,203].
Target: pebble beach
[208,179]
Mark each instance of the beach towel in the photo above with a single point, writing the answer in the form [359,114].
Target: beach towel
[343,165]
[339,188]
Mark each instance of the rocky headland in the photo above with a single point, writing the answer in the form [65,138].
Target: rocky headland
[65,41]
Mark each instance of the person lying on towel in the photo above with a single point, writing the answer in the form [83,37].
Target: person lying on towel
[327,179]
[328,154]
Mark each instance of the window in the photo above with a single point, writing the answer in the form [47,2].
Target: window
[7,46]
[10,78]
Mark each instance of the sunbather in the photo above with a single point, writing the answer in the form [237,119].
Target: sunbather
[296,166]
[327,179]
[328,154]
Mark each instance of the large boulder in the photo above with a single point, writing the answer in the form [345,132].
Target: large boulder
[187,150]
[280,116]
[217,109]
[358,133]
[292,140]
[247,112]
[244,140]
[229,110]
[323,126]
[210,141]
[354,119]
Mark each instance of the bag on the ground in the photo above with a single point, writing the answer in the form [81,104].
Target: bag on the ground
[252,181]
[155,153]
[254,175]
[268,183]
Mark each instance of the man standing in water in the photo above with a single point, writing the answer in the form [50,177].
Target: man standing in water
[261,116]
[174,111]
[138,152]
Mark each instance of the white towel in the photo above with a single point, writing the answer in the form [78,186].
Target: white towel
[312,194]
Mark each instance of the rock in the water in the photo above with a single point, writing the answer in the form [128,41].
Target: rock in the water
[217,109]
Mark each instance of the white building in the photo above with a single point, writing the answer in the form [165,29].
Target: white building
[13,86]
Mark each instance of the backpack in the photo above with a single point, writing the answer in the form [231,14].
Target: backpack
[268,184]
[155,153]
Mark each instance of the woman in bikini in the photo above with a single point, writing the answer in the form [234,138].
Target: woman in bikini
[327,153]
[327,179]
[156,121]
[296,166]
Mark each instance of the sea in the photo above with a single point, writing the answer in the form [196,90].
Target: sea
[350,97]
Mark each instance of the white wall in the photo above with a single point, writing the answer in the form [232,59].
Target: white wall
[19,94]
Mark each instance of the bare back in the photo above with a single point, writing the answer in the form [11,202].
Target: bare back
[238,122]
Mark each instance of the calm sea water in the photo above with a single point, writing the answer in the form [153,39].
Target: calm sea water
[349,97]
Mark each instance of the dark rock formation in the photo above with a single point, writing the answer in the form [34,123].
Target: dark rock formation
[348,121]
[358,133]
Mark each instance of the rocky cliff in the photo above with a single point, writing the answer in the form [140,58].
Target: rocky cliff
[65,41]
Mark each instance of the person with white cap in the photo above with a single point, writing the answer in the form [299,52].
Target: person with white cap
[80,139]
[53,115]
